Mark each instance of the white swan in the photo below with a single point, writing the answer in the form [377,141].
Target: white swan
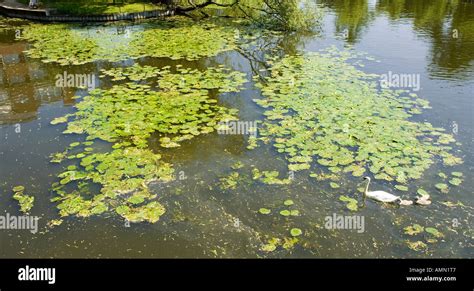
[381,196]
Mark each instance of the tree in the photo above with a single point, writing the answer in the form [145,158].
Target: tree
[284,15]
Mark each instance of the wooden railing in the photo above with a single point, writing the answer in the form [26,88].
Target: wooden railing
[47,15]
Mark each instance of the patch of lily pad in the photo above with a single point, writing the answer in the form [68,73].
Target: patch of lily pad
[269,177]
[351,203]
[25,201]
[177,107]
[189,42]
[174,107]
[59,43]
[66,45]
[444,188]
[319,108]
[417,245]
[286,243]
[416,229]
[230,181]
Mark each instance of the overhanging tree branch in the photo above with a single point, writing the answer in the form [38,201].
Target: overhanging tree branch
[184,10]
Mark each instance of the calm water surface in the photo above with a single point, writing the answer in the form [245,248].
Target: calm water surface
[432,38]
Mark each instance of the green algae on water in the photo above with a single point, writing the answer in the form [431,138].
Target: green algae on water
[176,107]
[230,181]
[321,109]
[351,203]
[25,201]
[189,42]
[413,229]
[269,177]
[66,45]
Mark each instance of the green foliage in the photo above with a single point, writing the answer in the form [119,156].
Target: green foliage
[175,106]
[401,188]
[442,187]
[189,42]
[417,245]
[290,15]
[25,201]
[181,109]
[61,43]
[230,182]
[285,212]
[414,229]
[296,232]
[433,231]
[351,203]
[320,108]
[264,211]
[269,177]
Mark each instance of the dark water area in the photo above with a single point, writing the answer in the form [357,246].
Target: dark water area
[434,39]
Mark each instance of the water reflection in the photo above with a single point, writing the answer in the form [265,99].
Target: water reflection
[202,216]
[447,25]
[352,17]
[25,83]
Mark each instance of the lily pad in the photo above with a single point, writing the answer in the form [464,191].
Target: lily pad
[351,203]
[296,232]
[285,212]
[457,174]
[268,248]
[442,187]
[433,231]
[413,229]
[295,212]
[18,189]
[264,211]
[455,181]
[59,120]
[401,188]
[422,192]
[417,245]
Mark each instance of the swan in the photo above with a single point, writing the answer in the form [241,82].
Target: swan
[381,196]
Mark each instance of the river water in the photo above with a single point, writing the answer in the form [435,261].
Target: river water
[434,39]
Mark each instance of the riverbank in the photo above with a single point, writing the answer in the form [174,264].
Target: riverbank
[11,8]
